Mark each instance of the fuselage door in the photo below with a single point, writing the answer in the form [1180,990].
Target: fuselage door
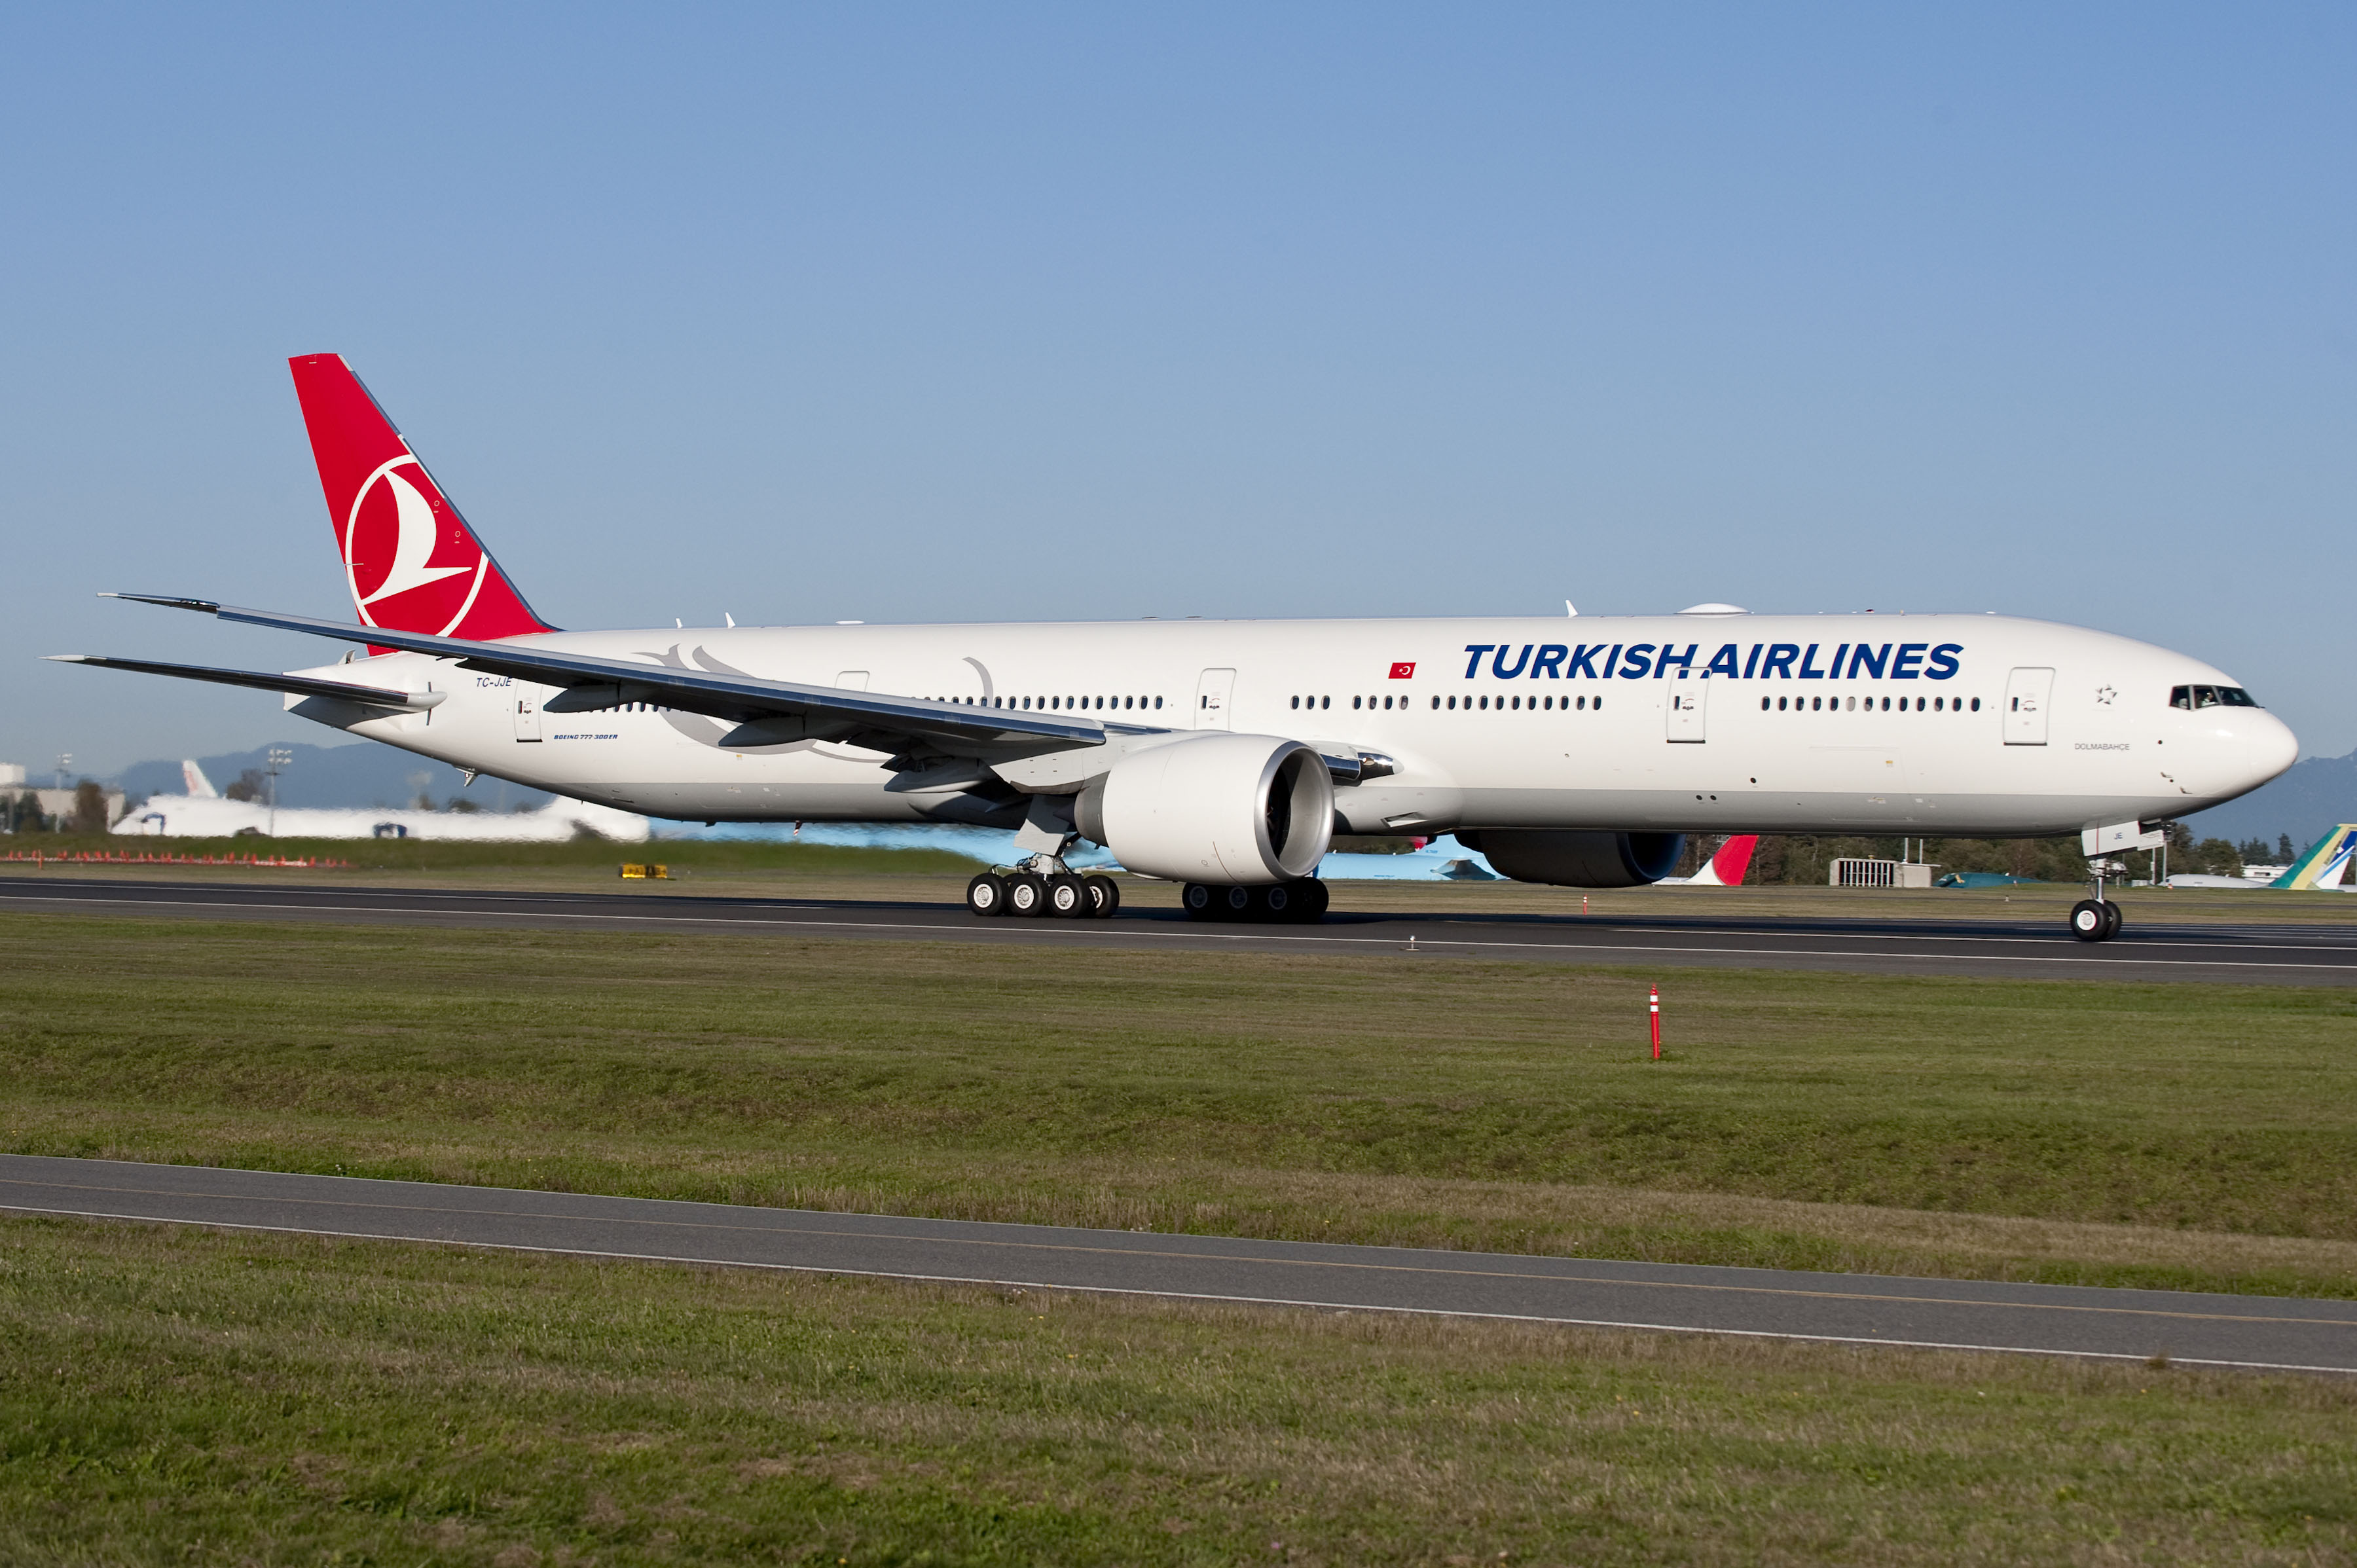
[2026,695]
[527,712]
[1686,711]
[1212,691]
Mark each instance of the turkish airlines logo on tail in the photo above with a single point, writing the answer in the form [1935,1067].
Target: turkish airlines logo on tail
[389,543]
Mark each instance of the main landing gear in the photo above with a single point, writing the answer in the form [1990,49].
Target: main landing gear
[1301,901]
[1037,894]
[2097,919]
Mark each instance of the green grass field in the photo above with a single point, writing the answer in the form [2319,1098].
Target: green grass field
[186,1396]
[183,1396]
[2163,1133]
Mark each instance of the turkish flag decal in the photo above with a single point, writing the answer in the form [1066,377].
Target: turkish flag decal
[1403,672]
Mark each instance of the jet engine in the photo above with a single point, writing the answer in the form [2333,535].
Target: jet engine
[1578,860]
[1236,809]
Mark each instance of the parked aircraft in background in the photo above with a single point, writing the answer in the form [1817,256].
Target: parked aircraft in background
[205,812]
[1225,754]
[2324,866]
[1726,865]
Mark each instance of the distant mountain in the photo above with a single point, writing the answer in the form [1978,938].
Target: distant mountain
[2306,802]
[366,774]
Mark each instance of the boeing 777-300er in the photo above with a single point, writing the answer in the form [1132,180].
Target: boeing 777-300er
[1226,754]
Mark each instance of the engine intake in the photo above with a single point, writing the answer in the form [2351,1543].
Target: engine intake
[1249,810]
[1578,859]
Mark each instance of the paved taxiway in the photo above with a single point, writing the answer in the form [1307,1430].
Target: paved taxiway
[2042,950]
[2256,1332]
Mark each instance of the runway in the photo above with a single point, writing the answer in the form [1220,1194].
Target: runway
[2241,954]
[2259,1333]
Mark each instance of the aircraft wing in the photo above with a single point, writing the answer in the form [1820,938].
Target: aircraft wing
[767,712]
[260,681]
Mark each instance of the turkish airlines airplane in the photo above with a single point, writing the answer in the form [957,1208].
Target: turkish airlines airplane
[1225,754]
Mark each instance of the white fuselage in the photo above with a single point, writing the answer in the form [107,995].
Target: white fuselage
[1949,724]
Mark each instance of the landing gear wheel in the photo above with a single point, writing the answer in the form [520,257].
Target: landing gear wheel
[1068,896]
[1027,895]
[1105,897]
[2089,922]
[1197,900]
[987,895]
[1239,903]
[2111,920]
[1282,902]
[1315,897]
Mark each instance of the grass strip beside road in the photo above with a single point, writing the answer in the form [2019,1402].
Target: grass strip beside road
[2169,1135]
[169,1395]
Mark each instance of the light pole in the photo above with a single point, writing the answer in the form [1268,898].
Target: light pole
[279,758]
[65,760]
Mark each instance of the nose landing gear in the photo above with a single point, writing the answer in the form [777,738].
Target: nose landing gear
[2097,919]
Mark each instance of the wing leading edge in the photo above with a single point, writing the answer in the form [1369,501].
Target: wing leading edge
[766,711]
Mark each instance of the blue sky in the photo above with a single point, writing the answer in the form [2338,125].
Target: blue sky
[904,312]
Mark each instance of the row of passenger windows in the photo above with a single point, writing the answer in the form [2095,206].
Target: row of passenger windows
[1812,704]
[1535,704]
[1051,704]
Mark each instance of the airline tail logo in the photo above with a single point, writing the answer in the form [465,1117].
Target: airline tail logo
[409,560]
[390,538]
[2326,862]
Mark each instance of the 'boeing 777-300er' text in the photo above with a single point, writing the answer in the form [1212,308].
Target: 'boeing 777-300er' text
[1226,754]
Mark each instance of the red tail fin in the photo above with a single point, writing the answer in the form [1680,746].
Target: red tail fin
[412,562]
[1734,858]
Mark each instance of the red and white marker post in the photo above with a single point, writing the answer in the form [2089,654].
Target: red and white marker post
[1655,1008]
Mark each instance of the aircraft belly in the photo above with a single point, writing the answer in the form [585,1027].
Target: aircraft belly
[1944,814]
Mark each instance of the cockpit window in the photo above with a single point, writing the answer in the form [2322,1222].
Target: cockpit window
[2210,697]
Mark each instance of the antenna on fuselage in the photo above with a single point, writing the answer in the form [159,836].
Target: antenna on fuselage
[1570,609]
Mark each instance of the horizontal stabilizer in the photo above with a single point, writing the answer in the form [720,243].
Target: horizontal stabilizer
[299,685]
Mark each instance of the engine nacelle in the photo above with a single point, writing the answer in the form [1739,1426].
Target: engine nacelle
[1237,808]
[1578,860]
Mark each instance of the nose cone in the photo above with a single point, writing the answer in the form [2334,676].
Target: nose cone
[2264,747]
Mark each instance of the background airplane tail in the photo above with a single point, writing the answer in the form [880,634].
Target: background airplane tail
[1726,869]
[2326,862]
[409,560]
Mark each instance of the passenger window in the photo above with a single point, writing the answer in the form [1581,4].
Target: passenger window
[1977,705]
[1297,703]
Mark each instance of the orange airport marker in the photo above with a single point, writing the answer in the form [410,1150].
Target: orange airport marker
[1656,1009]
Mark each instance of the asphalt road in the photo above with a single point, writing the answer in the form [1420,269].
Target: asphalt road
[2040,949]
[2253,1332]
